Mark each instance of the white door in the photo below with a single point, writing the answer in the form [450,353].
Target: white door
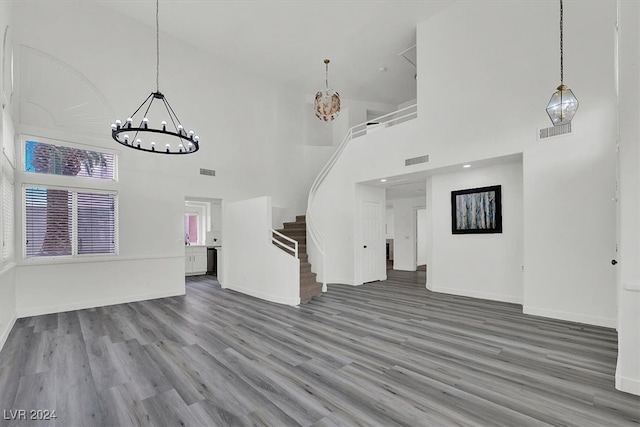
[371,241]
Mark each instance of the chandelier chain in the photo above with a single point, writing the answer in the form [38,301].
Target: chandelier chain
[326,75]
[561,44]
[157,46]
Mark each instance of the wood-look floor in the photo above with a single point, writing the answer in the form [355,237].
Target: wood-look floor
[387,353]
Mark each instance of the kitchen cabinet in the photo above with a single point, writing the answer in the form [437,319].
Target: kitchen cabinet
[195,260]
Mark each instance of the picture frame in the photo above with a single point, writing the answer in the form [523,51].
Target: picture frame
[477,210]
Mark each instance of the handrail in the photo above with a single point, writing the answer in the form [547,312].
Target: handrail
[316,238]
[294,250]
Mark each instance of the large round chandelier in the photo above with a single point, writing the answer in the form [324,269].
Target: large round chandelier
[327,103]
[155,130]
[563,103]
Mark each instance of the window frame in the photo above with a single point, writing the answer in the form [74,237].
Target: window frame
[74,223]
[71,183]
[8,221]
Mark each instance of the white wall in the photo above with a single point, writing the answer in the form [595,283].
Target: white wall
[377,195]
[250,130]
[252,264]
[404,243]
[7,267]
[478,265]
[568,182]
[628,370]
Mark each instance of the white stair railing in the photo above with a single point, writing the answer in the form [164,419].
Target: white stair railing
[315,238]
[293,250]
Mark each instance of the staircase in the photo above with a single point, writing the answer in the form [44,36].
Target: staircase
[297,231]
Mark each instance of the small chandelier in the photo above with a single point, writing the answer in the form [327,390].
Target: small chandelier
[563,103]
[327,104]
[138,133]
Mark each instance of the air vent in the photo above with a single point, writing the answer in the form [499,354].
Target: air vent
[555,131]
[416,160]
[209,172]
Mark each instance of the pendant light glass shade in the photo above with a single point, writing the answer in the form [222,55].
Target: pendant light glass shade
[563,103]
[327,103]
[562,106]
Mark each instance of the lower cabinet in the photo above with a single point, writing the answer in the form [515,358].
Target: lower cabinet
[195,260]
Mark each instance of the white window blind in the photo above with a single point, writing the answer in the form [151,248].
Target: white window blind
[48,217]
[40,157]
[61,222]
[96,223]
[8,216]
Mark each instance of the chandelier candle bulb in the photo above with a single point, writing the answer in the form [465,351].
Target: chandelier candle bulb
[168,148]
[164,126]
[145,123]
[153,146]
[138,141]
[114,126]
[181,148]
[126,139]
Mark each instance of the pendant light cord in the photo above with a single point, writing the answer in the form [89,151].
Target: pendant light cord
[326,75]
[157,46]
[561,44]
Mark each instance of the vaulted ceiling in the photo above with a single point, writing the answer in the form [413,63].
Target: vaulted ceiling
[288,39]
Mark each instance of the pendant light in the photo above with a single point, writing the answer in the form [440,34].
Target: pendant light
[137,132]
[327,103]
[563,103]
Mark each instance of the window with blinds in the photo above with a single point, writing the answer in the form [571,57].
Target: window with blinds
[8,216]
[65,222]
[96,223]
[40,157]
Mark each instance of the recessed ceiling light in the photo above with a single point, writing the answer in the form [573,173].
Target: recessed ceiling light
[383,180]
[466,166]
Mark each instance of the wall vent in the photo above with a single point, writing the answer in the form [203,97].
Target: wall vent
[416,160]
[209,172]
[555,131]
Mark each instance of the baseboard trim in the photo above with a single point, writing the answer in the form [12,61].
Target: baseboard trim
[100,303]
[631,286]
[474,294]
[341,282]
[7,330]
[404,268]
[571,317]
[628,385]
[264,296]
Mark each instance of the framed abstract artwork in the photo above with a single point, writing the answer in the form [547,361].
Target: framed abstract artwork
[476,210]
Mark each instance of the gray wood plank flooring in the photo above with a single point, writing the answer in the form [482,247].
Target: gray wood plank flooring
[384,354]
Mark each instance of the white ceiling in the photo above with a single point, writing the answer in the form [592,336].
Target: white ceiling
[289,39]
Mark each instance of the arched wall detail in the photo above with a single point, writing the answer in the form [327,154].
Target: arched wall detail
[55,95]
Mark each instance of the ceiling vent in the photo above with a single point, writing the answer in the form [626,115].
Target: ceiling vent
[209,172]
[554,131]
[416,160]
